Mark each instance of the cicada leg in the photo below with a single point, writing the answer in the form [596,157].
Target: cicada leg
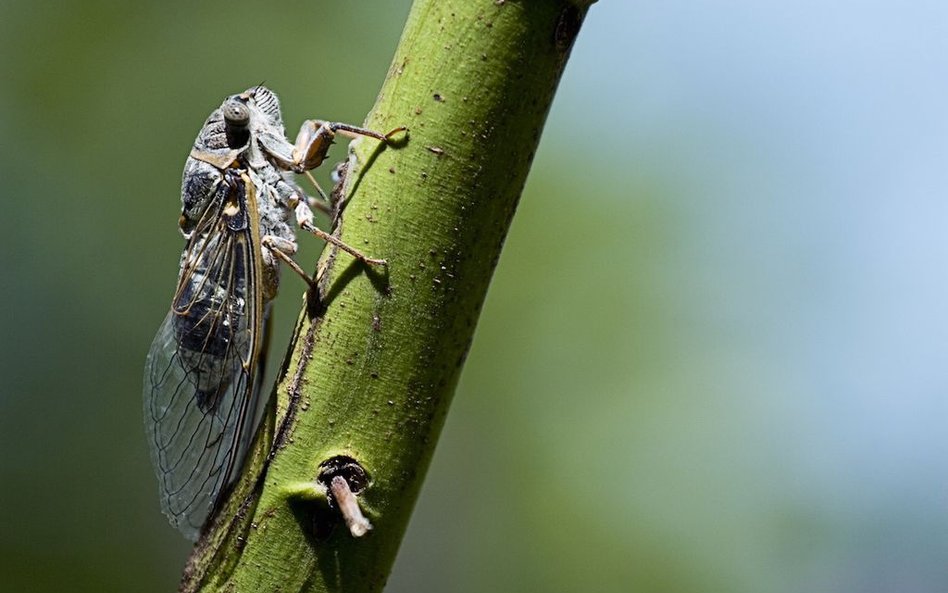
[324,203]
[283,249]
[316,136]
[304,219]
[344,246]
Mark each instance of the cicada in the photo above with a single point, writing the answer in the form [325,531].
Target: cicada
[203,373]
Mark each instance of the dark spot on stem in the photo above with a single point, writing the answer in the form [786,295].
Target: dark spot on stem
[348,468]
[567,27]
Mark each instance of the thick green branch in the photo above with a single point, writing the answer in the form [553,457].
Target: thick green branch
[378,352]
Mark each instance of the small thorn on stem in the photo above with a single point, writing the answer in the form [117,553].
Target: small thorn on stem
[349,507]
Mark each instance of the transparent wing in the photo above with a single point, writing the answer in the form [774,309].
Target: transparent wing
[201,372]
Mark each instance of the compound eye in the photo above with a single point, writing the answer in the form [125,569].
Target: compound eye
[236,113]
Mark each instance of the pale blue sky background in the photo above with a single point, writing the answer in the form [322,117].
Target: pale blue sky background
[809,148]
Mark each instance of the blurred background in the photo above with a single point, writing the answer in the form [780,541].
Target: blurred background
[730,375]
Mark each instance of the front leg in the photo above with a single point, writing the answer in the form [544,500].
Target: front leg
[316,136]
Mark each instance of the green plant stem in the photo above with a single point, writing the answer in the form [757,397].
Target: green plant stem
[378,351]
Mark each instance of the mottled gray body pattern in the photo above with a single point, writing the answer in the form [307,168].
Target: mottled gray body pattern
[201,375]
